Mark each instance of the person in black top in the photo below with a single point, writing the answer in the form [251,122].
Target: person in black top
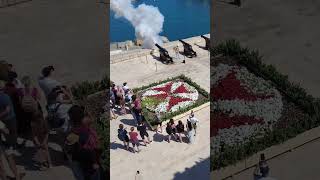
[123,136]
[180,129]
[264,168]
[142,128]
[170,132]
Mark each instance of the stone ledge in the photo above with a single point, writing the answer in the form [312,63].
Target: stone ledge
[137,53]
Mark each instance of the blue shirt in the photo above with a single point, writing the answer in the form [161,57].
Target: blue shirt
[4,102]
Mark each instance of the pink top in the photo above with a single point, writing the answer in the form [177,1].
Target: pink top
[137,104]
[133,136]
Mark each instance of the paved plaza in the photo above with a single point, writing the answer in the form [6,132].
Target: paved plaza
[162,160]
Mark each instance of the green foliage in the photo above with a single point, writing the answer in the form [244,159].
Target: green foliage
[102,126]
[83,89]
[80,92]
[292,92]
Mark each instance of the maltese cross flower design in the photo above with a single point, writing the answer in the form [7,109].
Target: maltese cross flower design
[244,105]
[171,96]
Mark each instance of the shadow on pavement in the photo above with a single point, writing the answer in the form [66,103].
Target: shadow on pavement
[201,170]
[159,137]
[115,146]
[28,155]
[129,122]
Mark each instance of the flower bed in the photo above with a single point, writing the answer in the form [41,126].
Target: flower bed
[253,105]
[172,97]
[244,106]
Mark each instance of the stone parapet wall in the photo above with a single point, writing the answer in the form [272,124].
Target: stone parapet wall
[137,53]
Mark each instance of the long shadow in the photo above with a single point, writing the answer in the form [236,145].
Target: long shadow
[159,137]
[115,146]
[202,47]
[201,170]
[28,154]
[129,122]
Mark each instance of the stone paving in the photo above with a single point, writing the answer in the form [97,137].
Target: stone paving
[162,160]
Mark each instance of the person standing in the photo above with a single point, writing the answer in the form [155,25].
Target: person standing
[134,139]
[194,121]
[158,122]
[264,167]
[8,117]
[46,82]
[123,136]
[173,127]
[190,132]
[142,128]
[169,132]
[121,96]
[137,109]
[180,129]
[176,50]
[138,176]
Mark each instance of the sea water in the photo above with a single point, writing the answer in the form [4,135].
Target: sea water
[182,19]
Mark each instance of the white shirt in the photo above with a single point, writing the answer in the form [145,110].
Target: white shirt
[194,120]
[47,84]
[125,88]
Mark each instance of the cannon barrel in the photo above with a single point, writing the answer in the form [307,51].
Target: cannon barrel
[183,42]
[161,48]
[206,38]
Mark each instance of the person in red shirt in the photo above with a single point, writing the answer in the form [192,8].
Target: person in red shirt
[134,139]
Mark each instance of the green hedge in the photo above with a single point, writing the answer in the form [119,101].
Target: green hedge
[252,60]
[83,89]
[102,125]
[203,92]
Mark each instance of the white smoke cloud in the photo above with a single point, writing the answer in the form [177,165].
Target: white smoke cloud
[146,20]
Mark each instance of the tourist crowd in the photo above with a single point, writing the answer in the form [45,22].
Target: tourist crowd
[24,116]
[123,101]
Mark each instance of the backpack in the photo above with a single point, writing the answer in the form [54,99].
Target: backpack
[28,103]
[53,119]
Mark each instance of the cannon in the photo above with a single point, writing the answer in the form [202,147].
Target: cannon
[164,55]
[207,42]
[187,50]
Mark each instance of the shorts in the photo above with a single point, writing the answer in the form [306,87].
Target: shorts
[144,134]
[126,139]
[135,143]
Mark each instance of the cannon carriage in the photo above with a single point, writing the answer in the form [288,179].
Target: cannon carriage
[164,55]
[187,50]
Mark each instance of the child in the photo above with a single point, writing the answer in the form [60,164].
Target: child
[122,135]
[134,139]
